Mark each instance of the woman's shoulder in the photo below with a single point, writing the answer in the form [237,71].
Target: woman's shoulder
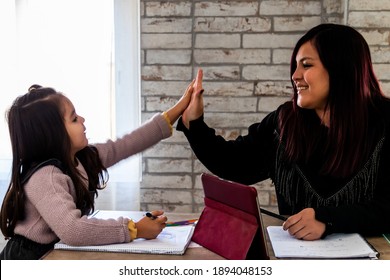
[386,105]
[284,108]
[384,109]
[270,121]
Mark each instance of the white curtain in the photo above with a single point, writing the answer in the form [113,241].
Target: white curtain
[71,45]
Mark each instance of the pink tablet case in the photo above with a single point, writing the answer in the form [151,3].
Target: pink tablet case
[230,224]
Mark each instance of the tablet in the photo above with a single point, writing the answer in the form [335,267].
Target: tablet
[233,212]
[234,194]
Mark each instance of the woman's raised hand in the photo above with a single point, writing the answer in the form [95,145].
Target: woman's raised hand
[195,108]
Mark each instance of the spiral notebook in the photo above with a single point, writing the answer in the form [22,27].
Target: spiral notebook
[334,246]
[171,241]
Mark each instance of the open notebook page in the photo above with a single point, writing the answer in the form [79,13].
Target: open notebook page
[172,240]
[334,246]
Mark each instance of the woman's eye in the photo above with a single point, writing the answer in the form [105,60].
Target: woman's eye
[75,119]
[306,64]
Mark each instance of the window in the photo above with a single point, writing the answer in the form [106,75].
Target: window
[89,50]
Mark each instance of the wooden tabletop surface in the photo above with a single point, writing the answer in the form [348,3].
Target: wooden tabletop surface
[193,252]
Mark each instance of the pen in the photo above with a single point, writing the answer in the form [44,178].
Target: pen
[272,214]
[181,223]
[150,215]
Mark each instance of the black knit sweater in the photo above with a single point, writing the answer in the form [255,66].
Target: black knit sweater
[359,203]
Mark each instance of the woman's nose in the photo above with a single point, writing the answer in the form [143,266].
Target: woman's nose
[296,75]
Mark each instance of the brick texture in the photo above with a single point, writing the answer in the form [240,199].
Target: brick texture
[244,48]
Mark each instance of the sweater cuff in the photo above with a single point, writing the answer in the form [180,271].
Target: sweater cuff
[165,115]
[132,229]
[323,216]
[181,127]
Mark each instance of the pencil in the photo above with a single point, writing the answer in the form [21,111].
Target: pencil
[272,214]
[182,223]
[150,215]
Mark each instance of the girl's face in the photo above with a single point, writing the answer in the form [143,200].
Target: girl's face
[74,125]
[311,80]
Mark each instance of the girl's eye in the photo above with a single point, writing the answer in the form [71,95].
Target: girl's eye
[75,119]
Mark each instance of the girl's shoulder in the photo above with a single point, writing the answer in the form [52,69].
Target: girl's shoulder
[50,162]
[46,177]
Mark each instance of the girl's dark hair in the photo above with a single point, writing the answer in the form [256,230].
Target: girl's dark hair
[354,91]
[38,133]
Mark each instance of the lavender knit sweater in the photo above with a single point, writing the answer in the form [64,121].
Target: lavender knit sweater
[51,212]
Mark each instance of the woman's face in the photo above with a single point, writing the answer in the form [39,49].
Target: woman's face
[311,80]
[75,127]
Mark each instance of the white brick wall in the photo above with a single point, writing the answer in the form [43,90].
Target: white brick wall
[244,48]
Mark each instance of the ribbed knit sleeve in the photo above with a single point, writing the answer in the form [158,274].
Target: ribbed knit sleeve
[140,139]
[51,214]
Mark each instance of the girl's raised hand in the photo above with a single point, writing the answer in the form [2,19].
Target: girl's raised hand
[177,110]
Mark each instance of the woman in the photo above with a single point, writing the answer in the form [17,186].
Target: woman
[327,150]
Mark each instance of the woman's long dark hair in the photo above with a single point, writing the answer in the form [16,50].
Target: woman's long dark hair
[38,133]
[354,92]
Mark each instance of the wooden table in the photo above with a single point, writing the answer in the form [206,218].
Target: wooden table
[192,253]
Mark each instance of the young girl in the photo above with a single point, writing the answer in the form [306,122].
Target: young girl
[327,150]
[56,175]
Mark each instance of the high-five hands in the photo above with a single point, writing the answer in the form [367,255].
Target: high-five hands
[195,108]
[177,110]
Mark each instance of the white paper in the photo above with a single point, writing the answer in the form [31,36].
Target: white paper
[340,245]
[172,240]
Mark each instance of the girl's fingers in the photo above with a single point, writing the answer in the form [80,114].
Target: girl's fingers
[190,87]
